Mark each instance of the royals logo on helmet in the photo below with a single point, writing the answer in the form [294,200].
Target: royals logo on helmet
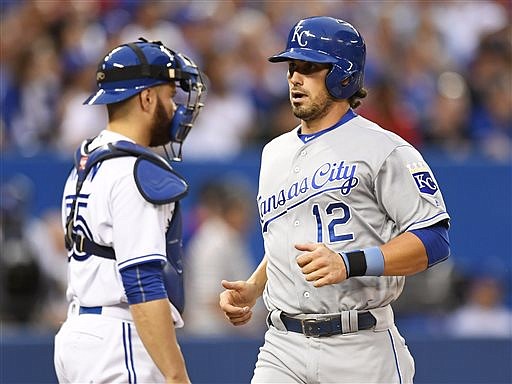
[298,35]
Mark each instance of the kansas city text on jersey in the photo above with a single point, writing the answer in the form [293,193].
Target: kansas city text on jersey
[324,178]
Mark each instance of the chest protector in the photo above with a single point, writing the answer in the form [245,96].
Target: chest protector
[159,184]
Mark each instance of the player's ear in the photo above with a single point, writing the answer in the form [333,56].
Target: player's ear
[146,99]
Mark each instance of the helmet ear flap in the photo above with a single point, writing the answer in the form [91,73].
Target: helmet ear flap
[342,84]
[333,83]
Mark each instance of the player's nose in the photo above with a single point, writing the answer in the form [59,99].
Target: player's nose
[295,78]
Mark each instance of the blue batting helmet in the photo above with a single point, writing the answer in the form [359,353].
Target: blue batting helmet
[327,40]
[130,68]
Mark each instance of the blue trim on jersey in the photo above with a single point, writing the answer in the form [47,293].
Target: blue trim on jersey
[144,282]
[436,241]
[125,348]
[265,225]
[396,357]
[130,345]
[80,196]
[308,137]
[430,218]
[161,258]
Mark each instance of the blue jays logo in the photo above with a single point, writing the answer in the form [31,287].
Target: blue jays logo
[425,182]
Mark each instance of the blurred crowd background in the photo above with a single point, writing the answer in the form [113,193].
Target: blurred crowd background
[439,73]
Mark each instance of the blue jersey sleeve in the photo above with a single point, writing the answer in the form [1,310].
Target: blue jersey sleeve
[143,282]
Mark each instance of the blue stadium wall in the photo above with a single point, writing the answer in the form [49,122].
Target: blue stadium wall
[478,195]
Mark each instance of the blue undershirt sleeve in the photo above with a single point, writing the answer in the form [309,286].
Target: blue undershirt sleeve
[144,282]
[436,241]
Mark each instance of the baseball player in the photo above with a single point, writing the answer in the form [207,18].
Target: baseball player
[122,221]
[347,210]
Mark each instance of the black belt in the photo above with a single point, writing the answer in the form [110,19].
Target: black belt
[327,326]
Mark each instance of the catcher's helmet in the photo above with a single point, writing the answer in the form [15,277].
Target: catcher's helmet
[323,39]
[130,68]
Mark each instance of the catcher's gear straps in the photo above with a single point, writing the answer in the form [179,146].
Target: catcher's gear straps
[157,182]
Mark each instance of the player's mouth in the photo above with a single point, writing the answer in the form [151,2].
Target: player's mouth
[297,96]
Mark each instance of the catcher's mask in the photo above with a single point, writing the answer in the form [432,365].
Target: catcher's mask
[130,68]
[327,40]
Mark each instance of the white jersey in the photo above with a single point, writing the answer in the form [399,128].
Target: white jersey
[108,205]
[353,186]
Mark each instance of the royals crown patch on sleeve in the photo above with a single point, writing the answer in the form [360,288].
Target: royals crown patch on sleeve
[423,178]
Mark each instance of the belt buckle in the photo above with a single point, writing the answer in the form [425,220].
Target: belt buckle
[309,330]
[309,325]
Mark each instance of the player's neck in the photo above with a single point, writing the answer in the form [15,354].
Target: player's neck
[137,135]
[332,116]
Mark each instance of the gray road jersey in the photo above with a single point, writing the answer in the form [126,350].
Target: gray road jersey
[354,186]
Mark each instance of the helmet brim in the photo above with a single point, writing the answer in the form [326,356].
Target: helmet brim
[110,96]
[304,54]
[115,92]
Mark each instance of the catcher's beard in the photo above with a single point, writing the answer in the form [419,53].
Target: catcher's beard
[316,109]
[160,129]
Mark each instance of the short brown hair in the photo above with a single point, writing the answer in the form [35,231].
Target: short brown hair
[354,100]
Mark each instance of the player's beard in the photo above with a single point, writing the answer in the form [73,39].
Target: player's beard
[160,130]
[315,109]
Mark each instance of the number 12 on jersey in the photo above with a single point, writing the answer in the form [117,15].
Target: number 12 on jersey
[341,213]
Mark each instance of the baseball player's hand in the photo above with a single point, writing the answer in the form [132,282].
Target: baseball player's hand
[320,264]
[237,300]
